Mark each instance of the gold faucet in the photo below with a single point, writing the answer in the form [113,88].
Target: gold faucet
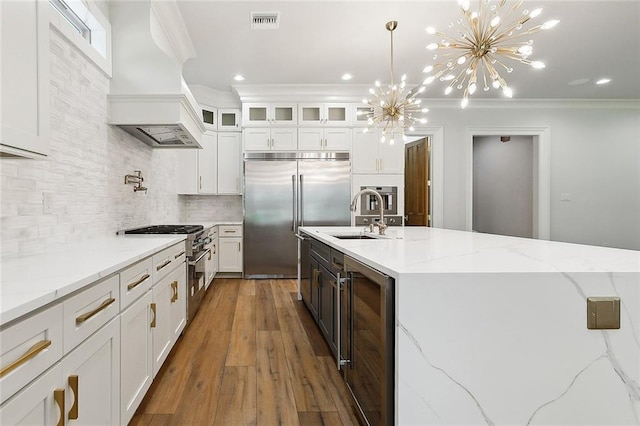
[354,203]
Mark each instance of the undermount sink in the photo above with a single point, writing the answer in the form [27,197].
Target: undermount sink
[354,237]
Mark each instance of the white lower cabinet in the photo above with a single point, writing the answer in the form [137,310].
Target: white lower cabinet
[230,241]
[84,388]
[169,314]
[136,368]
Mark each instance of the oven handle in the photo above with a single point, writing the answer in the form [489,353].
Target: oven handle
[204,253]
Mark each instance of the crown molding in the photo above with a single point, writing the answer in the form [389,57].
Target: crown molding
[170,19]
[534,103]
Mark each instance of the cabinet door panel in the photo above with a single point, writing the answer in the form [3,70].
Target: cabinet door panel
[96,363]
[229,163]
[327,303]
[310,139]
[178,306]
[136,372]
[391,157]
[208,164]
[230,258]
[187,179]
[257,139]
[284,139]
[337,139]
[161,332]
[365,152]
[34,405]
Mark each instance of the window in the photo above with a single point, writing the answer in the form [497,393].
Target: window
[73,19]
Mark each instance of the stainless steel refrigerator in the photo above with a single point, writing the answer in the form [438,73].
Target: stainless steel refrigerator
[282,192]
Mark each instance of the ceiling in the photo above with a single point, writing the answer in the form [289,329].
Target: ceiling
[318,41]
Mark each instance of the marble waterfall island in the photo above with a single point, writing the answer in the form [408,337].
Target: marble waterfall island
[493,330]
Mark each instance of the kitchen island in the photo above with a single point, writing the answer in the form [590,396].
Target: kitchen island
[493,330]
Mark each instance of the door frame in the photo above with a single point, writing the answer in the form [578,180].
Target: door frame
[436,154]
[541,170]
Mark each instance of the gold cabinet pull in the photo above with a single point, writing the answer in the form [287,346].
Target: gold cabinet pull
[153,321]
[334,284]
[214,249]
[137,283]
[179,254]
[163,265]
[58,397]
[316,274]
[32,352]
[82,318]
[210,255]
[338,266]
[174,293]
[73,384]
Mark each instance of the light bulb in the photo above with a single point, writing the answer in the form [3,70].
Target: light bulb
[538,64]
[372,91]
[507,91]
[462,60]
[495,21]
[549,24]
[425,110]
[525,50]
[382,138]
[423,120]
[448,90]
[377,83]
[427,69]
[422,89]
[429,80]
[472,88]
[464,102]
[449,77]
[535,13]
[432,46]
[365,130]
[495,84]
[464,4]
[391,141]
[431,30]
[404,77]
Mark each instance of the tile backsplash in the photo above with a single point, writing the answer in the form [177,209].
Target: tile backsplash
[224,208]
[78,192]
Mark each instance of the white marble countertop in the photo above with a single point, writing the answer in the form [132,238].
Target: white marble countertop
[32,281]
[416,250]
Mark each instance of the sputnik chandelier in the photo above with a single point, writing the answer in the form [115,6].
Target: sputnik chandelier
[487,40]
[394,107]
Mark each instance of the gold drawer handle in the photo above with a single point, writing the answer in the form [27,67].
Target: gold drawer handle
[316,275]
[58,397]
[179,254]
[334,284]
[73,384]
[174,288]
[338,266]
[163,265]
[33,351]
[153,309]
[82,318]
[137,283]
[230,231]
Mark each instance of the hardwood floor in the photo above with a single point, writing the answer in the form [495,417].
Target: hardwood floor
[252,356]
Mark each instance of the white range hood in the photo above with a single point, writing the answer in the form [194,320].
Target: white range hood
[148,96]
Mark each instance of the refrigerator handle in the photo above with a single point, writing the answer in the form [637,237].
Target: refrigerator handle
[301,189]
[294,203]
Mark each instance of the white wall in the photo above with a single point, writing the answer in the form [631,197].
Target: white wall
[595,157]
[83,178]
[207,208]
[503,185]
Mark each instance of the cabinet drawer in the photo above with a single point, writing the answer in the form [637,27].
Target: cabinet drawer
[89,310]
[135,281]
[28,348]
[213,232]
[166,261]
[321,252]
[337,263]
[230,230]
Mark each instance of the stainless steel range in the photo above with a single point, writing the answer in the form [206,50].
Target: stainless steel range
[197,239]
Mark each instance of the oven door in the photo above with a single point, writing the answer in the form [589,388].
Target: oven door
[196,284]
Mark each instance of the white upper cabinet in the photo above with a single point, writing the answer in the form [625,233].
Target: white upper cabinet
[266,114]
[360,113]
[24,80]
[373,157]
[229,120]
[270,139]
[197,168]
[323,114]
[324,139]
[229,163]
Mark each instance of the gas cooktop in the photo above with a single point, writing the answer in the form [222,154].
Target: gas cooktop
[166,229]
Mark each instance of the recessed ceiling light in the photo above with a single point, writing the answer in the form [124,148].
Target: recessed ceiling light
[347,77]
[238,77]
[603,81]
[578,82]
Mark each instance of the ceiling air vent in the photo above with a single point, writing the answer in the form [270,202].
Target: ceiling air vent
[265,20]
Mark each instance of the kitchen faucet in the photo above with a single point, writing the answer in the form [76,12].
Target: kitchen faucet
[354,203]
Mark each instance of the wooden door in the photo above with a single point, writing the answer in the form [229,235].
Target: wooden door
[416,183]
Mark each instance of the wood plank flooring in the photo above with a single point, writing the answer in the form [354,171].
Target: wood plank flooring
[252,356]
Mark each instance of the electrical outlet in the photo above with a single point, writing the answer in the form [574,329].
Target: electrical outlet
[565,196]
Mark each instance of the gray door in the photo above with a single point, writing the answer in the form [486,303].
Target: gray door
[270,247]
[325,192]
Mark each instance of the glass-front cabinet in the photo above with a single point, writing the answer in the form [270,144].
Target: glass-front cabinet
[229,119]
[323,114]
[265,114]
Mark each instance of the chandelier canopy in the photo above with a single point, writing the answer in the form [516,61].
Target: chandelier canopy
[394,108]
[486,41]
